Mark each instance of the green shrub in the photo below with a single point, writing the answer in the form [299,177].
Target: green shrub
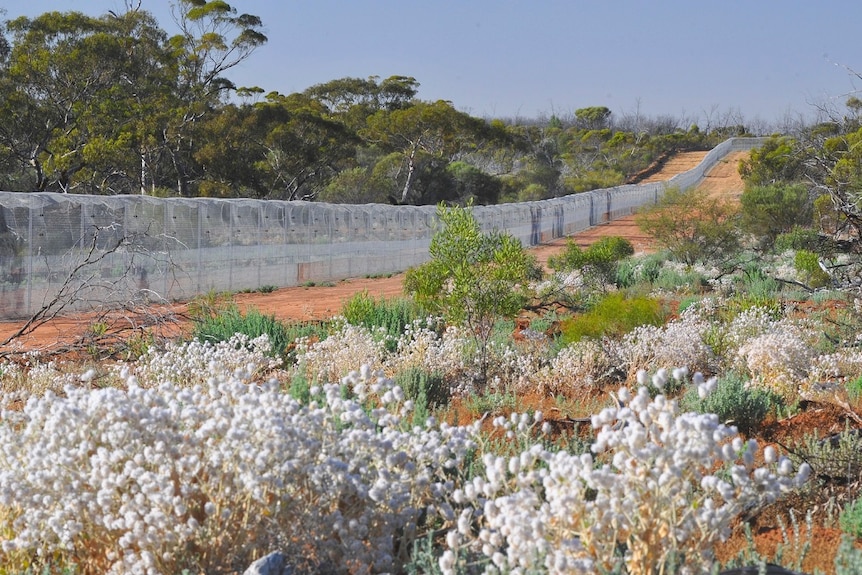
[613,315]
[770,210]
[800,238]
[427,390]
[230,320]
[808,265]
[393,315]
[850,519]
[854,389]
[732,401]
[600,259]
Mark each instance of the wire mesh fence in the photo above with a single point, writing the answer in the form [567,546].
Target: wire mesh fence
[110,250]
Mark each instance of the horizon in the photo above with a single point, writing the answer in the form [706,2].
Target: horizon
[502,60]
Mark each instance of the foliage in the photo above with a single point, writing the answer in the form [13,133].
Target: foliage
[692,226]
[801,238]
[777,160]
[427,390]
[230,321]
[808,265]
[850,519]
[393,315]
[599,259]
[472,278]
[735,402]
[770,210]
[613,316]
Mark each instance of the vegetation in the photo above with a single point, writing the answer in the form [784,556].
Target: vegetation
[473,278]
[694,227]
[112,104]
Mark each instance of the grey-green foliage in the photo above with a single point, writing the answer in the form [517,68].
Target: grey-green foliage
[426,389]
[392,315]
[850,519]
[835,458]
[848,560]
[732,401]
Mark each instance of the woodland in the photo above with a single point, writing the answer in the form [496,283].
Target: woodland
[112,104]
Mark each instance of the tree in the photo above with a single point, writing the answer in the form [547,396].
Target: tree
[472,278]
[777,160]
[770,210]
[77,93]
[692,226]
[434,129]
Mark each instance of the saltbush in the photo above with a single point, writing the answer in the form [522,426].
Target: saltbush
[734,402]
[393,315]
[850,519]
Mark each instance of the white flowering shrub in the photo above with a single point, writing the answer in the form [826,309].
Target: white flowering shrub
[205,478]
[661,485]
[194,362]
[678,342]
[423,347]
[346,347]
[780,358]
[578,366]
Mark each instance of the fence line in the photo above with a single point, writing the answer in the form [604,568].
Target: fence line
[175,248]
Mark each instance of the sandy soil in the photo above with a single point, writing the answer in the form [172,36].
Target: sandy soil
[322,302]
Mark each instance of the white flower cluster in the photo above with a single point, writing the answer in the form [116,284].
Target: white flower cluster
[422,347]
[346,347]
[678,342]
[194,362]
[580,365]
[780,358]
[129,481]
[657,484]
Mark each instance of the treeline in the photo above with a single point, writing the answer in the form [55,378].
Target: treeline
[114,105]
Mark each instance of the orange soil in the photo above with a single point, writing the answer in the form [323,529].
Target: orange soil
[321,302]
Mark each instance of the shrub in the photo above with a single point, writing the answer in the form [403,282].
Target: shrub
[598,261]
[774,209]
[800,238]
[392,315]
[614,315]
[692,226]
[808,265]
[227,322]
[850,519]
[426,389]
[735,402]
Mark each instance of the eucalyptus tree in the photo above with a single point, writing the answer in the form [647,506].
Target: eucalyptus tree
[283,148]
[421,135]
[77,92]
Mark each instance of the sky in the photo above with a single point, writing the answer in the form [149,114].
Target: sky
[697,60]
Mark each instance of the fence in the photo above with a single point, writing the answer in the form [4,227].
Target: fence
[108,251]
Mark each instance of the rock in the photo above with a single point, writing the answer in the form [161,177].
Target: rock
[273,564]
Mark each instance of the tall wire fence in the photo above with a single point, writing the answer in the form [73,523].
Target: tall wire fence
[109,251]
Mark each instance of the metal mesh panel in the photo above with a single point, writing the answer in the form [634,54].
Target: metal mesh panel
[178,248]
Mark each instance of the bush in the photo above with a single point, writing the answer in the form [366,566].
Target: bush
[601,257]
[693,227]
[614,315]
[808,265]
[732,401]
[227,322]
[426,389]
[850,519]
[392,315]
[800,238]
[768,211]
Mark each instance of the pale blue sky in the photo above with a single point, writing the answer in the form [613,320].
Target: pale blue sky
[685,58]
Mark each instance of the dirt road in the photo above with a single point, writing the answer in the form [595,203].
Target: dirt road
[323,302]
